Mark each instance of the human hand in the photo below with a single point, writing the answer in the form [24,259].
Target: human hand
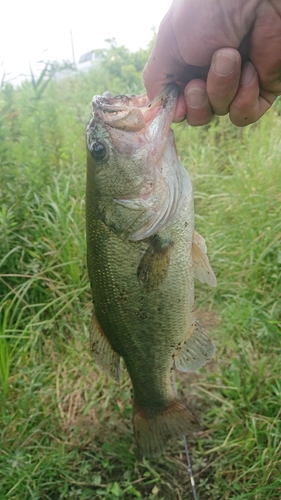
[201,45]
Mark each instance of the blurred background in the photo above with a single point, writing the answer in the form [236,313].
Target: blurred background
[32,31]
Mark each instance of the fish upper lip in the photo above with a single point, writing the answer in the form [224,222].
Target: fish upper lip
[131,112]
[112,103]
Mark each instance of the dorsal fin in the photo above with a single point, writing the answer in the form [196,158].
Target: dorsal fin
[197,349]
[201,265]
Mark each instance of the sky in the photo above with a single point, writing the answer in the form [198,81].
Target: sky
[34,30]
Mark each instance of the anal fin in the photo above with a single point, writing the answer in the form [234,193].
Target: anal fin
[197,349]
[106,358]
[201,265]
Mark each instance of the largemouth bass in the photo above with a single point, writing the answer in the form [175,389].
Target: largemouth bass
[142,256]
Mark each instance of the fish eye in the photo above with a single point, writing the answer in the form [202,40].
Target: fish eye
[98,150]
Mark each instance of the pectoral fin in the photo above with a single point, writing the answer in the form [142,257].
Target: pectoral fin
[201,265]
[112,214]
[196,351]
[154,264]
[106,358]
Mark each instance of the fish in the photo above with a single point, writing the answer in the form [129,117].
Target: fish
[142,257]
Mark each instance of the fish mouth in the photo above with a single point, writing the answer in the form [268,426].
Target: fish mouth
[134,113]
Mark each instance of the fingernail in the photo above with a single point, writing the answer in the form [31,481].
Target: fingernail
[196,97]
[248,73]
[224,64]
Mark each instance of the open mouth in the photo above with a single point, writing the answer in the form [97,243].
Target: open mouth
[133,113]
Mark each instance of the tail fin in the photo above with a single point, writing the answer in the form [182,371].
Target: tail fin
[154,428]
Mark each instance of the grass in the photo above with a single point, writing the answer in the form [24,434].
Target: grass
[66,430]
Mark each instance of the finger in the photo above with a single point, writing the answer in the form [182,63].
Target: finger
[180,112]
[165,64]
[198,107]
[223,79]
[265,51]
[249,103]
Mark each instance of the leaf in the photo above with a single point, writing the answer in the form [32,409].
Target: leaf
[97,479]
[116,490]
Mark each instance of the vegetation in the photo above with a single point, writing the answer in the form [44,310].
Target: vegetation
[66,430]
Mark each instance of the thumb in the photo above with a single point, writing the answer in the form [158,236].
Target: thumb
[165,64]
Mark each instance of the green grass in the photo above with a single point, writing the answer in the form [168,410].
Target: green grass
[66,430]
